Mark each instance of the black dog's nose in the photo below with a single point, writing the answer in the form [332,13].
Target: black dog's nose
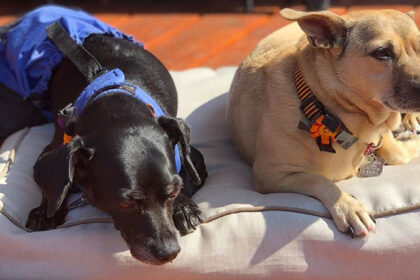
[167,252]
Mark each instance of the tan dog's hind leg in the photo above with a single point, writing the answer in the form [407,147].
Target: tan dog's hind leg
[349,215]
[397,151]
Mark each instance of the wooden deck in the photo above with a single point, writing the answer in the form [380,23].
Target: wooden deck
[199,35]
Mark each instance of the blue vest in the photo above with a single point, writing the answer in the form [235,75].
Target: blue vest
[28,57]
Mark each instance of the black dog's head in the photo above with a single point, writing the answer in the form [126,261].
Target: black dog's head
[127,169]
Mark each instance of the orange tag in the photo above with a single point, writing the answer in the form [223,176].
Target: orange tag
[66,139]
[316,127]
[319,129]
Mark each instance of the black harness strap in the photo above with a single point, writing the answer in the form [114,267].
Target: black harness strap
[85,62]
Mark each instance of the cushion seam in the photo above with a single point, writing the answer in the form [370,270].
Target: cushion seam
[12,152]
[390,212]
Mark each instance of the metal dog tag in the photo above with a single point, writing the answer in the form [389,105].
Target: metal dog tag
[372,166]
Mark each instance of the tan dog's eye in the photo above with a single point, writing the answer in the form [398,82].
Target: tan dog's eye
[383,53]
[128,204]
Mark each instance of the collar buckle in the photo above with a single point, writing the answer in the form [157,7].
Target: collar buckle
[67,118]
[331,122]
[346,139]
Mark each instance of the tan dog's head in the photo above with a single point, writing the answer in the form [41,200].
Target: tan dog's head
[376,54]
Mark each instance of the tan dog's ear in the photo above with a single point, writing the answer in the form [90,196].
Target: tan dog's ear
[324,29]
[411,14]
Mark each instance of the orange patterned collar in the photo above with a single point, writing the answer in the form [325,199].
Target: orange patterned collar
[322,124]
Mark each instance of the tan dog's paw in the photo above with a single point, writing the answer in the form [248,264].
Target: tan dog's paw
[351,217]
[411,121]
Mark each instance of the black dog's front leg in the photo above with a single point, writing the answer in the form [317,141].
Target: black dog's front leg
[51,172]
[38,219]
[186,214]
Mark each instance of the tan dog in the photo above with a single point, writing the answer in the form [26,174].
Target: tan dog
[364,67]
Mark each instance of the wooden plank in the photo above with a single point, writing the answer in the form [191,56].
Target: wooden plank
[241,48]
[339,10]
[115,20]
[417,16]
[210,35]
[234,54]
[401,8]
[154,28]
[6,19]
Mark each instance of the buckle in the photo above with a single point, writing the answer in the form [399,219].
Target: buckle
[67,118]
[346,139]
[99,73]
[331,121]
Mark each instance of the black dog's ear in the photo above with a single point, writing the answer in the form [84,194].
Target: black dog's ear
[78,158]
[54,172]
[179,133]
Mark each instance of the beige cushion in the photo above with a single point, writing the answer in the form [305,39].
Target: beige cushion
[247,235]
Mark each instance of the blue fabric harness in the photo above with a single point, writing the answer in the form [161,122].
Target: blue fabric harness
[28,58]
[115,80]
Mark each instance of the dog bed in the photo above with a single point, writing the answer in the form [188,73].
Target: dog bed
[246,235]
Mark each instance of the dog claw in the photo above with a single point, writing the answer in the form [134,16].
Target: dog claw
[372,218]
[192,226]
[187,216]
[38,220]
[350,231]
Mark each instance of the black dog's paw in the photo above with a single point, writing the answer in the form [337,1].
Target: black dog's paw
[187,215]
[38,220]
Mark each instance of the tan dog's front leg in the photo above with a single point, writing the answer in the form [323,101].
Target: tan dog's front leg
[349,215]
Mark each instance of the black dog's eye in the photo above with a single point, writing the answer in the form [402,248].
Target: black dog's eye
[383,53]
[128,204]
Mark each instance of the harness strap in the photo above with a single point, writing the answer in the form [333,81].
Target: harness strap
[67,117]
[322,124]
[125,87]
[85,62]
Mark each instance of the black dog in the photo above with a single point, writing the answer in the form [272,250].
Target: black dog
[121,156]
